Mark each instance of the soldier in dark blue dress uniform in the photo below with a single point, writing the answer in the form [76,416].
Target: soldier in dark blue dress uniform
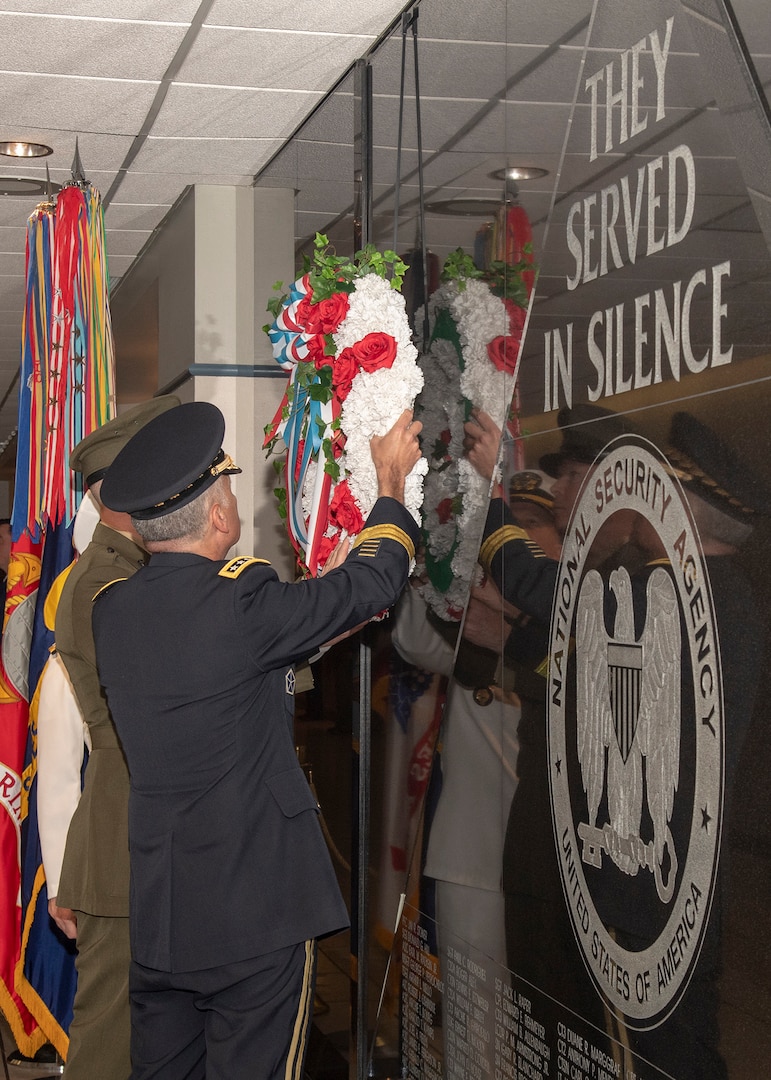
[231,880]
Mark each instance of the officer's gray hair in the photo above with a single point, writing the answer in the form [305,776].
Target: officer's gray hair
[189,522]
[714,524]
[96,492]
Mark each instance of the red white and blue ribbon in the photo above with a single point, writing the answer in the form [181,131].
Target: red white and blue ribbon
[301,421]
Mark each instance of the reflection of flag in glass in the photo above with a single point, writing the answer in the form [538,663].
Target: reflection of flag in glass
[413,711]
[415,701]
[67,390]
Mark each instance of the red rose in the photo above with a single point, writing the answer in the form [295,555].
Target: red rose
[346,369]
[344,512]
[316,354]
[303,312]
[375,351]
[516,317]
[327,544]
[504,353]
[326,316]
[444,511]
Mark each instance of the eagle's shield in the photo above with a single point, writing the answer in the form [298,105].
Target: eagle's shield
[624,681]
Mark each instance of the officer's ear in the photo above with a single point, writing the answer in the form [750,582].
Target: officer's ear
[218,519]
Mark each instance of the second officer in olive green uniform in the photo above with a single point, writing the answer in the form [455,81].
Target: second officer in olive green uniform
[92,900]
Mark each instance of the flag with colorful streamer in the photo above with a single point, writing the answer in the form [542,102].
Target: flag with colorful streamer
[68,364]
[21,594]
[67,389]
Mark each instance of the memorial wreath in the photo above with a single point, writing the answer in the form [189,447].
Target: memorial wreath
[342,335]
[476,321]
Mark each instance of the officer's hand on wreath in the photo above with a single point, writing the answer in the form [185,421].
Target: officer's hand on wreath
[395,454]
[338,555]
[481,441]
[64,917]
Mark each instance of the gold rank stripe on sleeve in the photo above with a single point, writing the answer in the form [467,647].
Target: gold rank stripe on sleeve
[496,540]
[104,588]
[237,566]
[367,542]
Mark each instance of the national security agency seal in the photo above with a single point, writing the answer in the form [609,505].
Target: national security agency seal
[636,732]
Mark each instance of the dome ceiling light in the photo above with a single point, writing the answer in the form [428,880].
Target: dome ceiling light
[20,149]
[29,186]
[518,172]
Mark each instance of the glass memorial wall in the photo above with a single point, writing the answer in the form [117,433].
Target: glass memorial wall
[567,857]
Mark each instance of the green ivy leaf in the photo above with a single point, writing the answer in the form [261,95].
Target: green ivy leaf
[280,494]
[317,392]
[460,268]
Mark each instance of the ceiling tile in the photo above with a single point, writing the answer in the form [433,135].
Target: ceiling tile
[202,112]
[89,47]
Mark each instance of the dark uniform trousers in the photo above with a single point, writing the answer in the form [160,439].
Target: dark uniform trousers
[250,1019]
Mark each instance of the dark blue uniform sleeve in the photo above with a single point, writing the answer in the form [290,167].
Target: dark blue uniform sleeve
[523,573]
[284,623]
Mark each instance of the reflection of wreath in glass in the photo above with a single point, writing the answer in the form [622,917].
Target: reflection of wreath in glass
[343,337]
[476,323]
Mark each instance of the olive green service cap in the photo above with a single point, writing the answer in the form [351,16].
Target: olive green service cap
[93,455]
[169,462]
[705,465]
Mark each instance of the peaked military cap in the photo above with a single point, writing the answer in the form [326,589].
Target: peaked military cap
[94,454]
[709,468]
[169,462]
[530,485]
[587,431]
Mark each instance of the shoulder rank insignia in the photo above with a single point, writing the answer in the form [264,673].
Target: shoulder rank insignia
[106,588]
[237,566]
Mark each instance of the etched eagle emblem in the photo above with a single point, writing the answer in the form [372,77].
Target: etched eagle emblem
[628,702]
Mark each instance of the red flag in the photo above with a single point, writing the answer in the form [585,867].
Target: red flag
[23,579]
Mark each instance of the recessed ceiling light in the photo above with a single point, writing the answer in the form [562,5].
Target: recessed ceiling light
[25,149]
[464,207]
[26,185]
[518,172]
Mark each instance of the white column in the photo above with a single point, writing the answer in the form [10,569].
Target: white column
[244,242]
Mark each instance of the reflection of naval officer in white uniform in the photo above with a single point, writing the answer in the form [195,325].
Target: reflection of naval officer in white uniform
[479,775]
[478,758]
